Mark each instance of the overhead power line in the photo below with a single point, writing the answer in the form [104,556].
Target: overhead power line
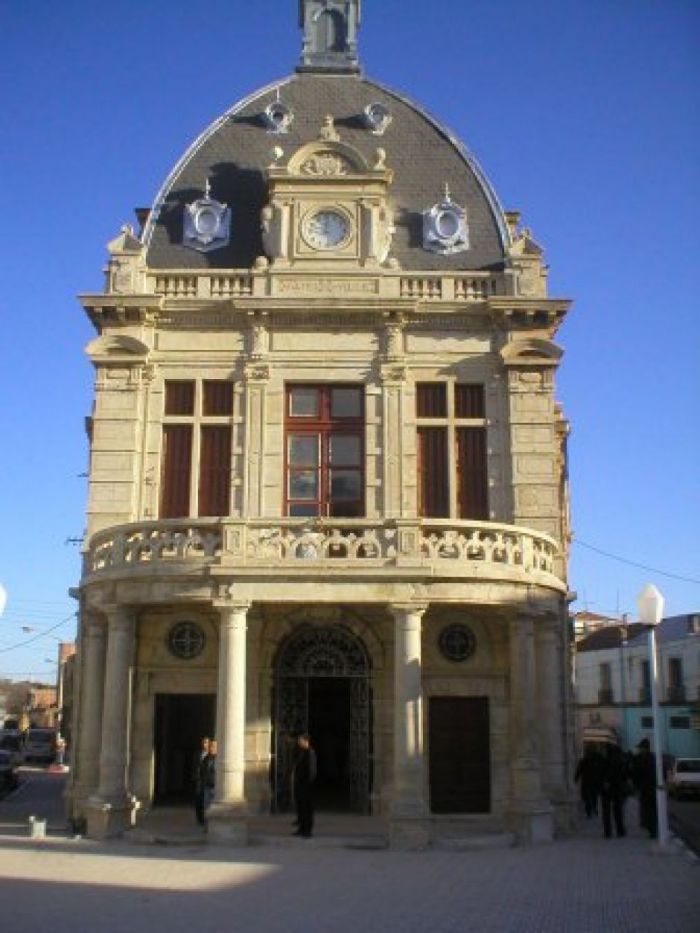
[634,563]
[27,641]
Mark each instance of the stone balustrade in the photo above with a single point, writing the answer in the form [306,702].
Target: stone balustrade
[233,283]
[455,548]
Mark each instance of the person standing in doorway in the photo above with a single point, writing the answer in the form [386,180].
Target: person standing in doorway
[197,780]
[304,775]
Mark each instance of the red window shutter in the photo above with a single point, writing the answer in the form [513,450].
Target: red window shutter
[433,500]
[431,400]
[179,397]
[175,471]
[472,479]
[469,401]
[217,397]
[214,470]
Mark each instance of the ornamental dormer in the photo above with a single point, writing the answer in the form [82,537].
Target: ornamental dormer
[328,203]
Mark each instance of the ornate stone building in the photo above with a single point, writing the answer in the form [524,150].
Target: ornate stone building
[327,478]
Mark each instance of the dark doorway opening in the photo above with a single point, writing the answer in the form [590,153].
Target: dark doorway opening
[460,755]
[329,727]
[181,720]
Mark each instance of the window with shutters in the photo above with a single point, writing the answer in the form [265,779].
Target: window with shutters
[324,450]
[452,452]
[196,451]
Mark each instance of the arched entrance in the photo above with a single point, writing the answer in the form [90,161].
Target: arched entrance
[322,686]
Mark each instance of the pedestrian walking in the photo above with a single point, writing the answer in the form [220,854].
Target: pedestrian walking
[208,775]
[197,781]
[644,778]
[589,775]
[612,790]
[303,777]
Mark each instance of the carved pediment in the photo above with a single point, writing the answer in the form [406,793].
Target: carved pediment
[117,347]
[324,158]
[534,351]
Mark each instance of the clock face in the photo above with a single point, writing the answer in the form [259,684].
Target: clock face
[326,229]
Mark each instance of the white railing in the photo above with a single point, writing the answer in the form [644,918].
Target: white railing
[458,547]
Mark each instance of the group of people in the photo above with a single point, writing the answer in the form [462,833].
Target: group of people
[608,775]
[303,777]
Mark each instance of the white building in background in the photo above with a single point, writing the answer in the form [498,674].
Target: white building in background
[612,683]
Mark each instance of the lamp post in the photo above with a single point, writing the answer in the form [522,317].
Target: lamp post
[651,608]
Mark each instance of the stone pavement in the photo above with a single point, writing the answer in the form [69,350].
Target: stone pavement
[579,884]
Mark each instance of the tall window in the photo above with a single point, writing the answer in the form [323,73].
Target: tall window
[324,462]
[196,443]
[452,455]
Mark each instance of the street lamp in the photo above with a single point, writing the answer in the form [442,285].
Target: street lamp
[651,608]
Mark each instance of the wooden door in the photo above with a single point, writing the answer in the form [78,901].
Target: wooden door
[460,755]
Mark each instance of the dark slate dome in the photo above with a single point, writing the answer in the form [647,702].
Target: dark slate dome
[235,150]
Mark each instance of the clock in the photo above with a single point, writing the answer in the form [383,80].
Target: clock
[326,229]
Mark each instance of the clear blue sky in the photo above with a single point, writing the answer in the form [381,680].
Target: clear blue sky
[584,115]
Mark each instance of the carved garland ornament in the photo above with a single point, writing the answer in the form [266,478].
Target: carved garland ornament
[324,164]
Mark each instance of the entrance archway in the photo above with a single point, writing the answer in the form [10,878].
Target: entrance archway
[322,686]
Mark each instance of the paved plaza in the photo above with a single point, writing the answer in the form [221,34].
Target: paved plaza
[580,884]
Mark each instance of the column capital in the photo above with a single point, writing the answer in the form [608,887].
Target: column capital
[414,608]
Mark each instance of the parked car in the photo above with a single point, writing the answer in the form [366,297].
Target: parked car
[12,742]
[8,771]
[40,745]
[684,777]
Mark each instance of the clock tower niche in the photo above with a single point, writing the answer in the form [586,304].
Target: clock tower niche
[328,204]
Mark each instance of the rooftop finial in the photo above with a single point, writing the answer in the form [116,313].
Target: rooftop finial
[447,197]
[207,188]
[330,35]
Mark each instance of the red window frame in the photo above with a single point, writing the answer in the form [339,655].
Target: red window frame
[325,426]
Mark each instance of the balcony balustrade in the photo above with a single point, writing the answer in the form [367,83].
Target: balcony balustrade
[236,283]
[327,546]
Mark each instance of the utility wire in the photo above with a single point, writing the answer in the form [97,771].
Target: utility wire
[633,563]
[27,641]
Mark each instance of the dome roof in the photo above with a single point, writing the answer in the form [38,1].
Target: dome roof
[234,152]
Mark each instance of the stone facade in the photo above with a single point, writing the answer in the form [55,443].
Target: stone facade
[335,298]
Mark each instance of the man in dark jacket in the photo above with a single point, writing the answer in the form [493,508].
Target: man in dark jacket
[304,775]
[612,790]
[644,777]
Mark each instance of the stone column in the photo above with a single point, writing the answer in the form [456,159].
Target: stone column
[530,814]
[409,828]
[112,808]
[552,684]
[87,762]
[227,814]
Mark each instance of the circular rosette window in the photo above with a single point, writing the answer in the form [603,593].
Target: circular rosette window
[457,642]
[186,640]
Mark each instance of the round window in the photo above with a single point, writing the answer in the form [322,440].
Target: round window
[457,642]
[206,221]
[447,224]
[186,640]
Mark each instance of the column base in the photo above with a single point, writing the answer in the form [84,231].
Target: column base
[106,819]
[532,822]
[409,834]
[227,824]
[409,825]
